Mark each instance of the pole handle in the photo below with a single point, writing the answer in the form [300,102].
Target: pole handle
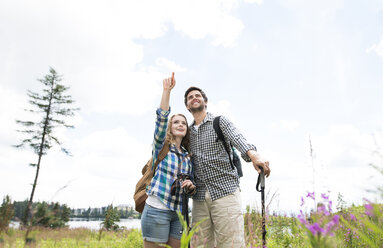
[262,178]
[261,181]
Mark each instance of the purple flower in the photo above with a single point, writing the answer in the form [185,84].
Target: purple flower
[324,196]
[352,217]
[302,218]
[311,195]
[302,201]
[369,209]
[322,209]
[329,227]
[315,228]
[330,206]
[335,218]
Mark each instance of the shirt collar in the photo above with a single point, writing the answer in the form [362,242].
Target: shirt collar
[209,117]
[174,149]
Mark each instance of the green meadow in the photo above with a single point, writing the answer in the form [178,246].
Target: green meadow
[357,226]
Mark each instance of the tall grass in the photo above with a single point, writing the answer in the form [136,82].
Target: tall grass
[358,226]
[74,238]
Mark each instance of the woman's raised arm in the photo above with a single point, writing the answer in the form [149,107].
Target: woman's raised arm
[168,85]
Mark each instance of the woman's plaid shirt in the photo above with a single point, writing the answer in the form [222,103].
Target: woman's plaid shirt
[167,170]
[212,169]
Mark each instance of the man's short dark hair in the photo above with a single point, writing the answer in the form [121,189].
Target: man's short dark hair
[191,89]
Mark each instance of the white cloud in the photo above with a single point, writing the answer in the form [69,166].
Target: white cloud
[341,165]
[207,19]
[287,175]
[344,152]
[325,5]
[12,105]
[105,168]
[344,144]
[377,48]
[170,65]
[222,107]
[115,92]
[259,2]
[289,125]
[315,16]
[255,47]
[96,49]
[95,45]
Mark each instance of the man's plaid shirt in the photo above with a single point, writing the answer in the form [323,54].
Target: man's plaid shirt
[167,170]
[212,169]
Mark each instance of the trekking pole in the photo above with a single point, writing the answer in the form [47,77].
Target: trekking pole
[261,181]
[185,209]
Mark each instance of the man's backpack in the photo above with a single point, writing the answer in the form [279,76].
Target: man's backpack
[140,195]
[235,162]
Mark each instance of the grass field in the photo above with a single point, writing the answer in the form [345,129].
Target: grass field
[358,226]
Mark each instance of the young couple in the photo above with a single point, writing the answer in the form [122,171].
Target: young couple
[212,181]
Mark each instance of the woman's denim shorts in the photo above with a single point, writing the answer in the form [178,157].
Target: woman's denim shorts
[158,225]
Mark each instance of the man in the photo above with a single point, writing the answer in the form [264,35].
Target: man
[218,194]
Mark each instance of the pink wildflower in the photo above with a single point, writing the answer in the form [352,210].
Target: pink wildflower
[322,209]
[302,218]
[324,196]
[330,226]
[315,228]
[369,209]
[311,195]
[302,201]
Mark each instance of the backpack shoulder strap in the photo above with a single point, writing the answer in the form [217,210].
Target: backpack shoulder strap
[161,155]
[220,137]
[218,130]
[219,133]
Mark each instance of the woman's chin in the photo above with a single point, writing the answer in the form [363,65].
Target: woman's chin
[179,135]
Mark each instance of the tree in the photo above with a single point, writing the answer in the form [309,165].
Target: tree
[6,213]
[52,106]
[86,214]
[111,217]
[19,208]
[65,213]
[43,215]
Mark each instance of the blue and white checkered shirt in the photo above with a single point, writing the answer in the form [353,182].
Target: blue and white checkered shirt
[167,170]
[212,169]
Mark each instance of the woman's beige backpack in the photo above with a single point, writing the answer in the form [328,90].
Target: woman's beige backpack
[140,195]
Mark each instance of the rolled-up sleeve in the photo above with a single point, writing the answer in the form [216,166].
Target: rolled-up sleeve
[160,129]
[234,136]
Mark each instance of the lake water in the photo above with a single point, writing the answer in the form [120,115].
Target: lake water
[95,224]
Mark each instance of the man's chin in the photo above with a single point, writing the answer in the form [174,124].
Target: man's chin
[196,110]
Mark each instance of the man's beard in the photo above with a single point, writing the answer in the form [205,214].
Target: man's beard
[198,109]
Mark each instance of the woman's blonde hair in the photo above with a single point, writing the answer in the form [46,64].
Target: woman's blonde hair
[170,137]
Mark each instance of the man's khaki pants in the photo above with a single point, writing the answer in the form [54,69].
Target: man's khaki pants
[224,226]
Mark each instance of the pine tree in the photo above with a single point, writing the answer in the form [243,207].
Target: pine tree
[52,106]
[6,213]
[111,217]
[65,213]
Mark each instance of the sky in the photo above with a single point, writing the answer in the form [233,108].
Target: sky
[302,80]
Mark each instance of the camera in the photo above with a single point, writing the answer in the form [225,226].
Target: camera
[176,186]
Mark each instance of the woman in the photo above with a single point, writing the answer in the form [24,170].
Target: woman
[159,220]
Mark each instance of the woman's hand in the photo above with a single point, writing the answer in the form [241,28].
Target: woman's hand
[169,83]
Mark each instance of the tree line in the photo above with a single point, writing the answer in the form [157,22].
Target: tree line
[54,215]
[63,210]
[125,213]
